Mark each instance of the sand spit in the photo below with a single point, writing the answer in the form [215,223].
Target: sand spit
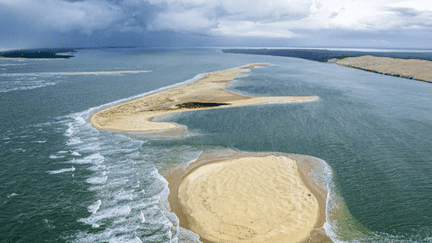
[405,68]
[249,197]
[205,93]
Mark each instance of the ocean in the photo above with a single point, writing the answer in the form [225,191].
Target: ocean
[61,180]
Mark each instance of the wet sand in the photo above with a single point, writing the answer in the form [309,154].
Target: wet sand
[249,197]
[405,68]
[206,93]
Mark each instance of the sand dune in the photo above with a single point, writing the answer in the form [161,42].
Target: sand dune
[404,68]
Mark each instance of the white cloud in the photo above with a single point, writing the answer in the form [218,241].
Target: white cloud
[282,18]
[229,18]
[419,5]
[252,29]
[365,15]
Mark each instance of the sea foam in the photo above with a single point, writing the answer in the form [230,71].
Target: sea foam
[61,170]
[95,206]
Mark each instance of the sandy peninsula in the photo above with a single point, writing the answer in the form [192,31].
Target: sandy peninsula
[206,93]
[249,197]
[404,68]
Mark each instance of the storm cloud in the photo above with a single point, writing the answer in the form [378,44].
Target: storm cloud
[28,23]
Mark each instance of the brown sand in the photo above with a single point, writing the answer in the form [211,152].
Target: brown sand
[249,197]
[405,68]
[137,115]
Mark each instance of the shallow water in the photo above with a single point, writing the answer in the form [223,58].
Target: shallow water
[62,180]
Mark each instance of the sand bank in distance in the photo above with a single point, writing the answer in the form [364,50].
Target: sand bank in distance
[206,93]
[249,197]
[405,68]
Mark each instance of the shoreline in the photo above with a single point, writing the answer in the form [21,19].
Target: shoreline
[416,69]
[207,92]
[305,164]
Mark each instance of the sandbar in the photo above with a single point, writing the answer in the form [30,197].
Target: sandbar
[249,197]
[405,68]
[240,197]
[206,93]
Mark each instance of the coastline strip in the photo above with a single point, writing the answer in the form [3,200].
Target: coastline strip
[416,69]
[206,93]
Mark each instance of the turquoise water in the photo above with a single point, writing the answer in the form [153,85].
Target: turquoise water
[63,181]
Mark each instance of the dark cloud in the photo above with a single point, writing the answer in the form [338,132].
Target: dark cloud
[36,23]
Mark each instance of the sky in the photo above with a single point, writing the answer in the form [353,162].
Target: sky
[216,23]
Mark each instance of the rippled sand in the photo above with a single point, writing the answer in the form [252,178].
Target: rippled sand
[251,199]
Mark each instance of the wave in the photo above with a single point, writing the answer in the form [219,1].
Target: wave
[6,85]
[12,195]
[104,72]
[93,208]
[12,64]
[97,180]
[74,153]
[119,169]
[29,81]
[61,170]
[51,74]
[95,158]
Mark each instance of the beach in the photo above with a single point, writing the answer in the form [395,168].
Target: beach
[241,197]
[249,197]
[205,93]
[404,68]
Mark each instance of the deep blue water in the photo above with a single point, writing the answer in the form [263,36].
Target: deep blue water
[63,181]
